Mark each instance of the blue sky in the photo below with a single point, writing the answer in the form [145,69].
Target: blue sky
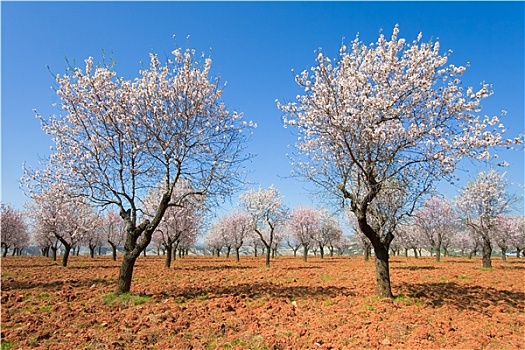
[254,46]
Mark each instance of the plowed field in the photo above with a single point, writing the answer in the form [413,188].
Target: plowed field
[215,303]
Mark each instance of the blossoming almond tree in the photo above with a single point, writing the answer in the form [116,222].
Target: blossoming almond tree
[388,113]
[14,230]
[303,223]
[481,202]
[120,138]
[329,230]
[517,238]
[178,220]
[114,229]
[57,212]
[237,227]
[268,215]
[436,221]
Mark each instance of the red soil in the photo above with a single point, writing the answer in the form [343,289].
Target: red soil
[212,303]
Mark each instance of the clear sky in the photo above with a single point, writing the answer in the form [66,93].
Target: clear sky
[254,46]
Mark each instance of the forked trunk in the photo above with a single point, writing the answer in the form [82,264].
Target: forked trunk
[381,247]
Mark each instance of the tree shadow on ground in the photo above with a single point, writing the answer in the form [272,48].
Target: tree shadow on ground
[92,267]
[212,267]
[413,268]
[257,290]
[13,285]
[303,267]
[464,297]
[511,267]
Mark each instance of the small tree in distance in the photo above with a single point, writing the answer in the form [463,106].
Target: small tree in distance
[436,221]
[303,223]
[267,213]
[114,229]
[481,202]
[388,117]
[237,227]
[13,229]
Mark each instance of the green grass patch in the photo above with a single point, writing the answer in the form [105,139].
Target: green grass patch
[126,299]
[7,275]
[46,308]
[329,302]
[43,296]
[464,277]
[252,342]
[325,278]
[6,345]
[203,297]
[407,300]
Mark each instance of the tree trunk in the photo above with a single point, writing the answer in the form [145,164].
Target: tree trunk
[92,251]
[65,257]
[126,273]
[367,252]
[113,251]
[305,253]
[381,248]
[382,272]
[487,252]
[321,251]
[504,254]
[228,250]
[438,250]
[169,252]
[54,250]
[237,254]
[4,254]
[268,254]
